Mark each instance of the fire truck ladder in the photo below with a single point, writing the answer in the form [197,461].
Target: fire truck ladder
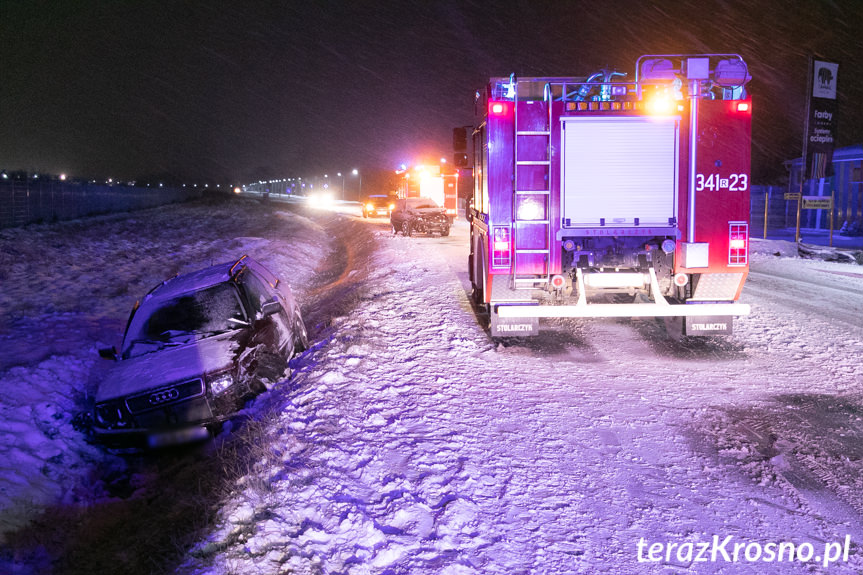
[531,234]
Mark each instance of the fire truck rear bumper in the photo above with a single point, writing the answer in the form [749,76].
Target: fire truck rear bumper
[624,310]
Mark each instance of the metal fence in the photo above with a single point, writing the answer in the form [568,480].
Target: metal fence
[779,214]
[773,203]
[25,201]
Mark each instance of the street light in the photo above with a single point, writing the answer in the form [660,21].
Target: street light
[356,172]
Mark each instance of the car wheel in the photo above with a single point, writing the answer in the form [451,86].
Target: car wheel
[301,336]
[407,229]
[444,232]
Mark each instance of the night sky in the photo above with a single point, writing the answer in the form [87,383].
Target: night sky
[244,90]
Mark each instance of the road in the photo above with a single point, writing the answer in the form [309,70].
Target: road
[407,441]
[418,445]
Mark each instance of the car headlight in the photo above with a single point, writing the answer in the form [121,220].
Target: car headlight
[220,382]
[110,414]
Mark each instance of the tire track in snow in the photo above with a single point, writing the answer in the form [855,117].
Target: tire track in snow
[417,445]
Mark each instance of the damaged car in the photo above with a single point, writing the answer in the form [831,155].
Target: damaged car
[195,349]
[419,215]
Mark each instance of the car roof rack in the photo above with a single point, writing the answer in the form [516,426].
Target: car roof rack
[231,272]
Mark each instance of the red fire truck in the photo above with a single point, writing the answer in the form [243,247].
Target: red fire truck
[436,182]
[603,196]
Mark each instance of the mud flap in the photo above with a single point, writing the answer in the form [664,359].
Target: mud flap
[513,326]
[707,325]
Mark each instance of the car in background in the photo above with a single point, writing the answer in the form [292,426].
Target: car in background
[378,206]
[419,215]
[321,199]
[195,349]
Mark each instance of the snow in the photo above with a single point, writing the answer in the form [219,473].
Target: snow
[433,450]
[407,441]
[67,291]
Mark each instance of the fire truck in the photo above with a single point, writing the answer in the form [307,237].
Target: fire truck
[431,181]
[609,196]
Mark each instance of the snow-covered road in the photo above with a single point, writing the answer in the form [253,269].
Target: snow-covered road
[408,442]
[411,443]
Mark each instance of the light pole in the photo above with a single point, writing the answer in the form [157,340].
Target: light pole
[356,172]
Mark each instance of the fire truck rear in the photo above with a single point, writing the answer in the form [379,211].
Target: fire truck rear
[435,182]
[604,196]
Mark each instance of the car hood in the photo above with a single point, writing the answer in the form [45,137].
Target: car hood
[169,365]
[431,211]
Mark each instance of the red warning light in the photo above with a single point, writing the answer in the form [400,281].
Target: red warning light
[743,106]
[497,108]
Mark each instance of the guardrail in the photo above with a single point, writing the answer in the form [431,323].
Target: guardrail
[29,201]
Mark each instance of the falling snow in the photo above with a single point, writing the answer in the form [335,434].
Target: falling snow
[407,441]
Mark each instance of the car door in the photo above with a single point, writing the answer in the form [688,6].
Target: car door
[259,292]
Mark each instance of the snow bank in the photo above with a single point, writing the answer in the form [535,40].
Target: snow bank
[67,290]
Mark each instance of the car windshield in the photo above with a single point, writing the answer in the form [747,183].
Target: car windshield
[186,318]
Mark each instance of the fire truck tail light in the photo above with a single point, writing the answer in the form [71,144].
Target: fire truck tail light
[681,280]
[501,254]
[558,281]
[743,106]
[497,108]
[738,243]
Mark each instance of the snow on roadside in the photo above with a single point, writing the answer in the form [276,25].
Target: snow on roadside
[409,443]
[66,291]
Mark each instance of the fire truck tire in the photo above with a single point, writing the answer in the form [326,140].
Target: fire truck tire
[477,294]
[407,229]
[476,289]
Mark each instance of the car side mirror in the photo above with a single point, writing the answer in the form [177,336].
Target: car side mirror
[108,353]
[271,307]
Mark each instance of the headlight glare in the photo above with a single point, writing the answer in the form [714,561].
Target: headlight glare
[220,383]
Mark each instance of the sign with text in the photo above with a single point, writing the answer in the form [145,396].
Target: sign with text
[817,203]
[821,123]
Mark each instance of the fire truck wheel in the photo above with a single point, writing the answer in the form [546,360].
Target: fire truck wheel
[477,295]
[407,229]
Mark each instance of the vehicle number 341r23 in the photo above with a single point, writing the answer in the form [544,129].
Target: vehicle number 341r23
[715,182]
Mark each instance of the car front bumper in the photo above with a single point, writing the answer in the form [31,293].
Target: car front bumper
[152,438]
[384,213]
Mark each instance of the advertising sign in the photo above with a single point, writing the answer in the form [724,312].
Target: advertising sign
[821,122]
